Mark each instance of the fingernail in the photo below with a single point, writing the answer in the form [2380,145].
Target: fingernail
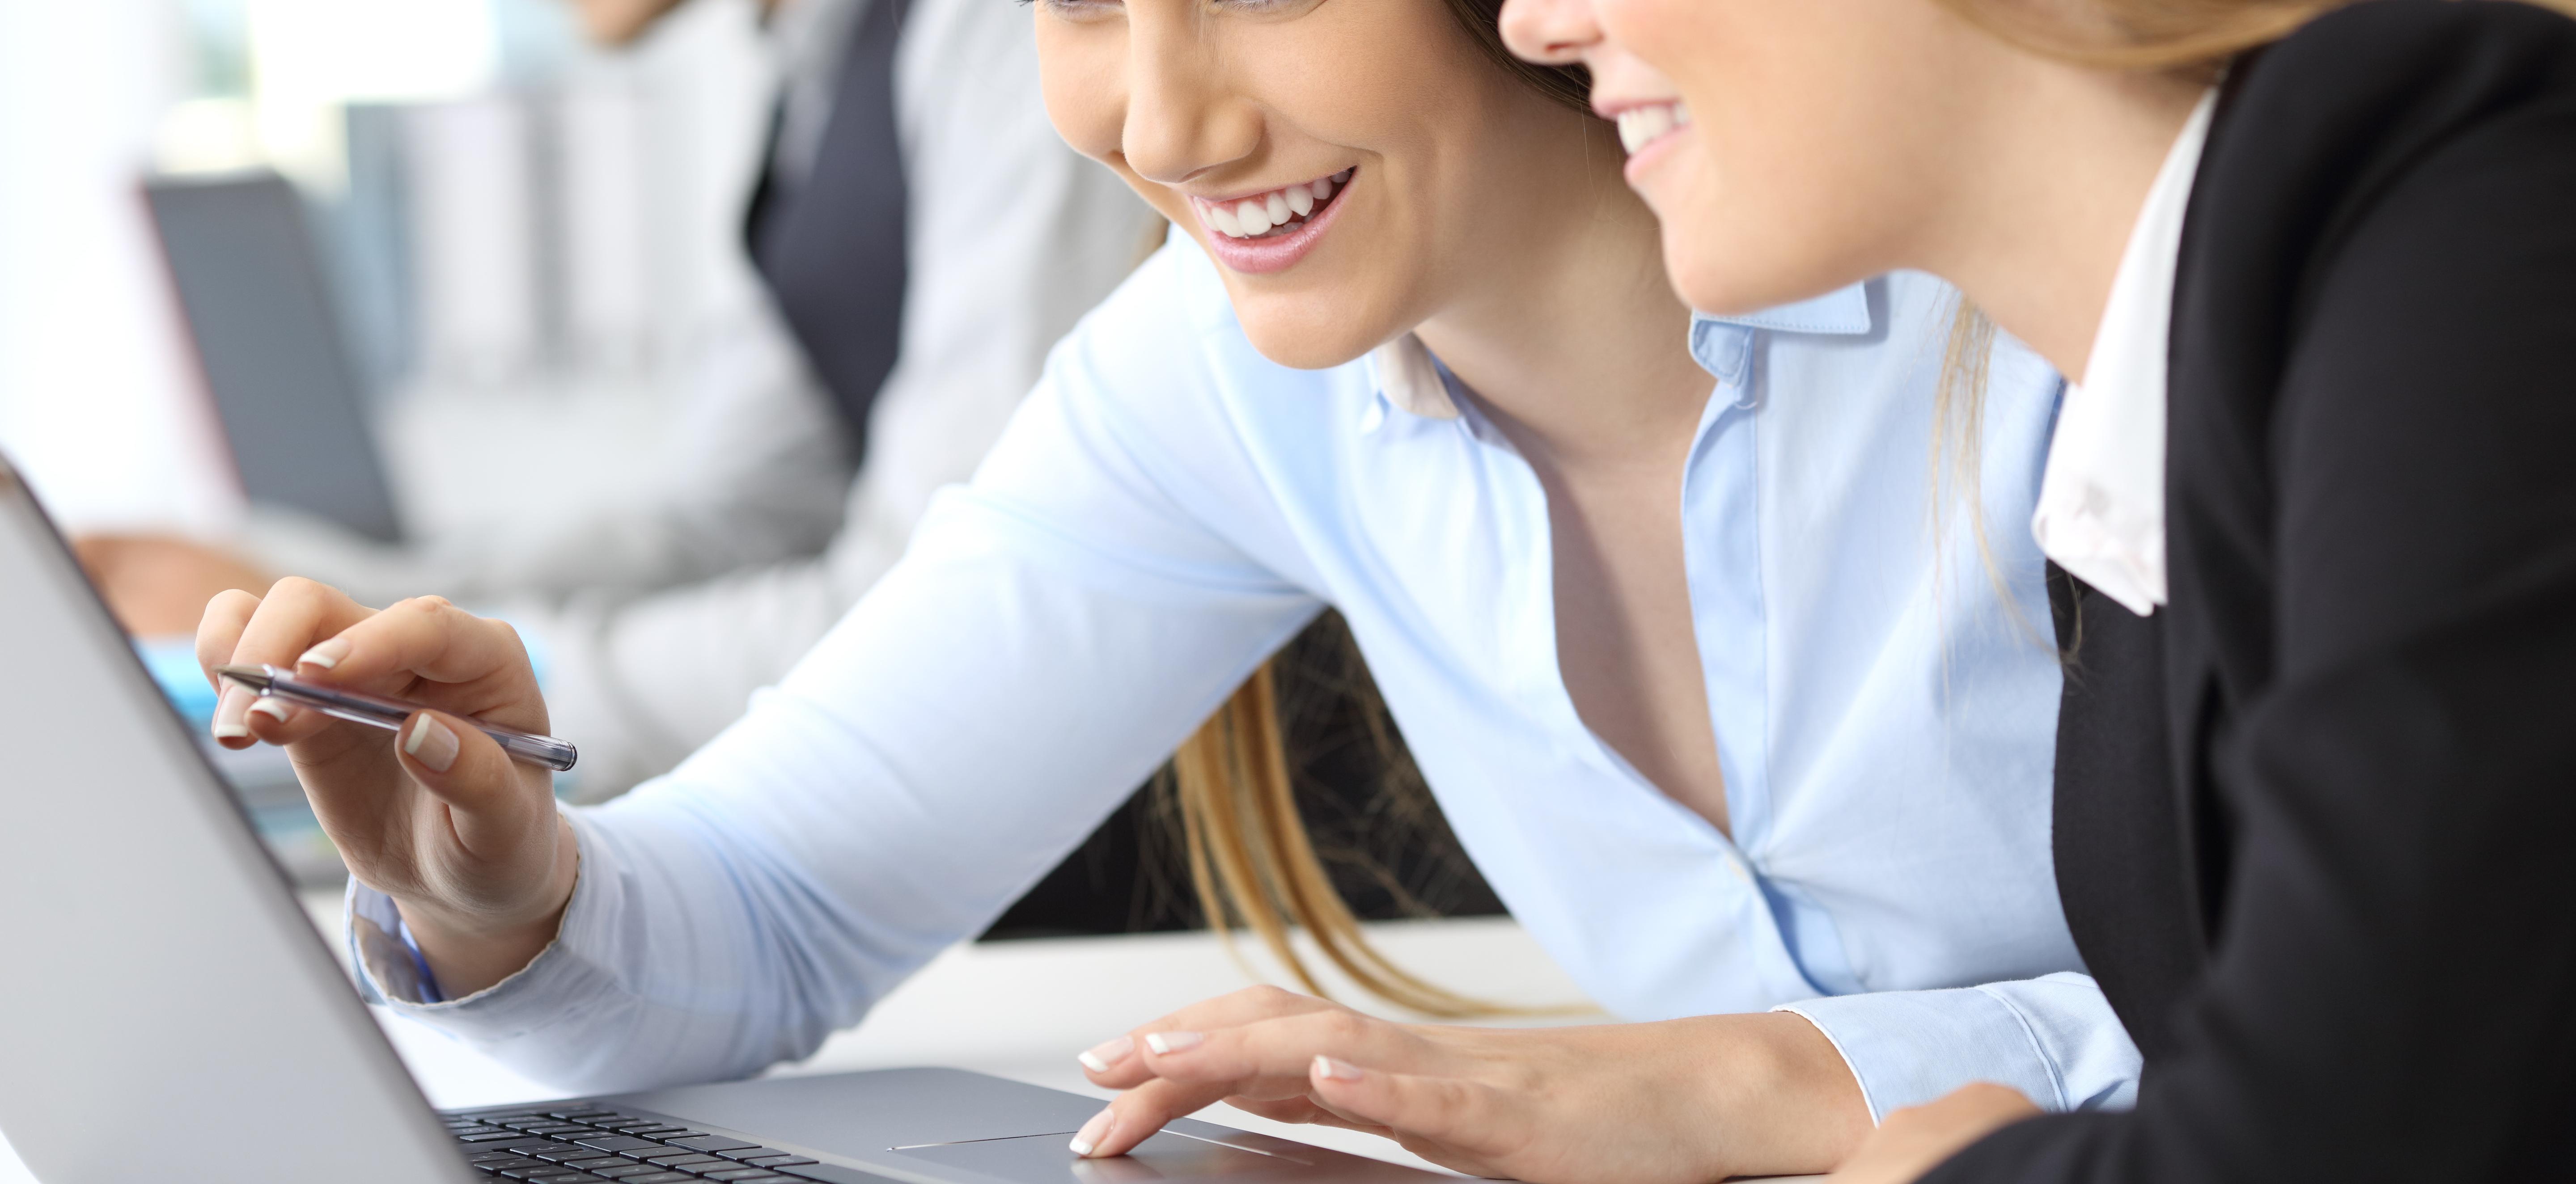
[1093,1132]
[230,710]
[1102,1056]
[431,744]
[274,708]
[325,655]
[1333,1070]
[1171,1042]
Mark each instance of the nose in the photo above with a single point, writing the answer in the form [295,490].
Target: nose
[1550,32]
[1183,119]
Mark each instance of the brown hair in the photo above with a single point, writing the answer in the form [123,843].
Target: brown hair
[1251,858]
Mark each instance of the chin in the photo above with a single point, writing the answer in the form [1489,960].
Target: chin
[1305,332]
[1733,278]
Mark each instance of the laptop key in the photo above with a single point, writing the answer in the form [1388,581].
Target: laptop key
[489,1136]
[629,1168]
[621,1144]
[712,1143]
[778,1161]
[750,1153]
[736,1173]
[692,1160]
[661,1178]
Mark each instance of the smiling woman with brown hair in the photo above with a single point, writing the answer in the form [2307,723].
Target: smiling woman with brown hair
[1740,730]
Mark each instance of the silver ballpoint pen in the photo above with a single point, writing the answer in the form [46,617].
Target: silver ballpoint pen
[380,712]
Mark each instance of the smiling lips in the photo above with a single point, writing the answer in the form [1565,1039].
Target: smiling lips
[1640,126]
[1280,211]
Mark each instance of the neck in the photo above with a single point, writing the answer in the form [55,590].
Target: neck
[2044,191]
[1574,338]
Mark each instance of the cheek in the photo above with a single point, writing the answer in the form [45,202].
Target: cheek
[1082,73]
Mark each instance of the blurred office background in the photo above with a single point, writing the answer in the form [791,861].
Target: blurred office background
[523,237]
[507,216]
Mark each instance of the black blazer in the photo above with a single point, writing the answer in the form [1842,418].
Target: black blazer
[2316,820]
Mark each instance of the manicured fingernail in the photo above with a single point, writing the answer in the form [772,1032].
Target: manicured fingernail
[274,708]
[431,744]
[1093,1132]
[230,711]
[1333,1070]
[325,655]
[1172,1042]
[1101,1057]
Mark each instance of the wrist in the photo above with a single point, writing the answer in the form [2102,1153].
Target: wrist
[1789,1102]
[468,952]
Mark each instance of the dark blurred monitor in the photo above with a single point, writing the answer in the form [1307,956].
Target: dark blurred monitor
[285,384]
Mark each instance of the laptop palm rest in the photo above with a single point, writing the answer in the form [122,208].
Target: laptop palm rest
[949,1124]
[1166,1156]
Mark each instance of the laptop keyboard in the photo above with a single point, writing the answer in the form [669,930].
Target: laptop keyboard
[590,1146]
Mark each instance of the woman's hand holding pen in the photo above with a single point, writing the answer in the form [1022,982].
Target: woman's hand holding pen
[1677,1102]
[436,815]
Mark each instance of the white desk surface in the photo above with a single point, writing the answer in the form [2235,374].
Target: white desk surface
[1023,1009]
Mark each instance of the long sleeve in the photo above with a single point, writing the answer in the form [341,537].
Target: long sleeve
[1056,628]
[2054,1038]
[2390,980]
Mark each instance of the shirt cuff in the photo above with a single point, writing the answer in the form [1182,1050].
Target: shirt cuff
[390,971]
[2054,1038]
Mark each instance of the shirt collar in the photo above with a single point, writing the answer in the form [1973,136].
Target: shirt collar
[2101,512]
[1410,380]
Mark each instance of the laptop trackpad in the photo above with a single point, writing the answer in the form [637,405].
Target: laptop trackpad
[1044,1159]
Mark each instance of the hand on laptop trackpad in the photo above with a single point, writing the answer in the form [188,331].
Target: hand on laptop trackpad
[1166,1156]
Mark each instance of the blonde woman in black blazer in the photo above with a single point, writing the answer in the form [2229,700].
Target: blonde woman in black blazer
[2314,499]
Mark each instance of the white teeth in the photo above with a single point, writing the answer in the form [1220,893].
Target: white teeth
[1253,217]
[1640,126]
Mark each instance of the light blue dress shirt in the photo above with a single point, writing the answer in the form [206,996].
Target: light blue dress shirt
[1169,507]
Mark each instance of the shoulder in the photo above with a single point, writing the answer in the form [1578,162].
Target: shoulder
[2372,85]
[2419,133]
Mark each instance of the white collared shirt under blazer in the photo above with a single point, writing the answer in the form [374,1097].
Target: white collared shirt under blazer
[2101,509]
[1169,506]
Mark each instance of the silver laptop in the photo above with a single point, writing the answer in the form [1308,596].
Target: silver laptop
[168,1013]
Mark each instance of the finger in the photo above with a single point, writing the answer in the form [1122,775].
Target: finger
[1267,1056]
[1464,1115]
[1302,1109]
[1113,1064]
[295,614]
[436,641]
[458,764]
[218,634]
[1135,1115]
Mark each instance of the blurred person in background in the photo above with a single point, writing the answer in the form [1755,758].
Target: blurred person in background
[923,236]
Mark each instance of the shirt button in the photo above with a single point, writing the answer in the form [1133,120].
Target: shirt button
[1741,872]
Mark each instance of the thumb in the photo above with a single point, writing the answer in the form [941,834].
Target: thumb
[1460,1114]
